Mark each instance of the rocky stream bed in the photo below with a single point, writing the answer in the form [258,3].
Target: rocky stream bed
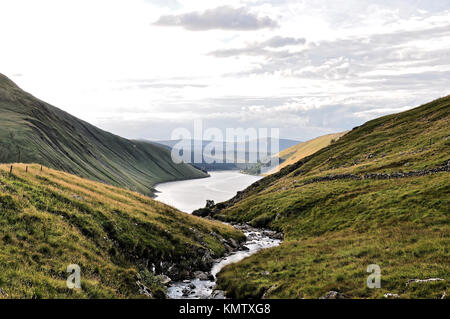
[202,286]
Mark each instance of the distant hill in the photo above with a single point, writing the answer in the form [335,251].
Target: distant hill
[32,131]
[378,195]
[295,153]
[242,157]
[121,240]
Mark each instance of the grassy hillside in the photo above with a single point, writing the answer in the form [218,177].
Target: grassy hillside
[295,153]
[378,195]
[32,131]
[50,219]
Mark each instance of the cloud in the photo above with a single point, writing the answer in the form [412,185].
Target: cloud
[260,49]
[371,58]
[279,41]
[221,18]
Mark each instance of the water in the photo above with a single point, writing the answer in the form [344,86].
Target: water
[192,194]
[204,289]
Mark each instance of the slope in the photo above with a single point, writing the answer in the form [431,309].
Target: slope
[378,195]
[295,153]
[32,131]
[50,219]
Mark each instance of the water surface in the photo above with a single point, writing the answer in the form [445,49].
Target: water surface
[204,289]
[192,194]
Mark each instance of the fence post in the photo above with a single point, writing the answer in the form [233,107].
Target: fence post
[41,168]
[26,169]
[10,170]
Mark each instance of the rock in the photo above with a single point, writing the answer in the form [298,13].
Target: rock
[422,280]
[243,247]
[252,236]
[186,292]
[228,248]
[391,296]
[444,295]
[202,212]
[268,291]
[165,280]
[265,273]
[218,294]
[191,286]
[334,295]
[3,293]
[209,203]
[278,236]
[200,275]
[186,281]
[234,243]
[77,197]
[143,290]
[207,259]
[211,277]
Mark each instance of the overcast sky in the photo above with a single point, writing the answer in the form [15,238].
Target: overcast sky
[140,68]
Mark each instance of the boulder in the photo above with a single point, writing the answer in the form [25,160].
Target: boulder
[186,292]
[191,286]
[200,275]
[334,295]
[422,280]
[218,294]
[165,280]
[234,243]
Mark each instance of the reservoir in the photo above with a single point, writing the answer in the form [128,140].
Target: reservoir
[192,194]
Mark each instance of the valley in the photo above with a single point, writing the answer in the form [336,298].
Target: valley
[378,195]
[71,193]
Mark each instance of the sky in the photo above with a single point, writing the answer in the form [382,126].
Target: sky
[141,68]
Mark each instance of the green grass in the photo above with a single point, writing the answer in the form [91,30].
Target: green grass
[335,229]
[32,131]
[50,219]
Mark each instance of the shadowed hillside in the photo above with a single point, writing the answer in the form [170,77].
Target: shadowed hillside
[50,219]
[32,131]
[378,195]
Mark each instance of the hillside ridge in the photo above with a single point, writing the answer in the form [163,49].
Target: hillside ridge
[33,131]
[378,195]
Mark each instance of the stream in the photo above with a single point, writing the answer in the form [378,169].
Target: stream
[192,194]
[257,239]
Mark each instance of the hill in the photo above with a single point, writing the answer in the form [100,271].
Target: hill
[50,219]
[378,195]
[295,153]
[240,159]
[32,131]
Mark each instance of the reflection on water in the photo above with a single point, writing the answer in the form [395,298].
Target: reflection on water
[192,194]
